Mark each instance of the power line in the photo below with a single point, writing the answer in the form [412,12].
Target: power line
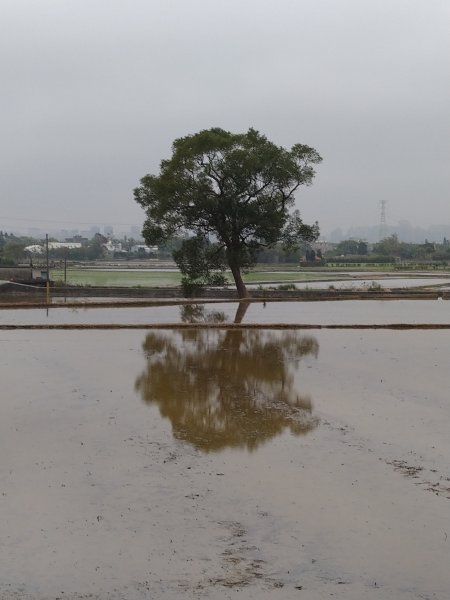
[63,222]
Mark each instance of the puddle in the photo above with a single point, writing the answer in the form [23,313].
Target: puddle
[215,464]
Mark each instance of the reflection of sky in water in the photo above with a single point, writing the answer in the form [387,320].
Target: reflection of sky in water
[320,313]
[346,284]
[355,284]
[224,389]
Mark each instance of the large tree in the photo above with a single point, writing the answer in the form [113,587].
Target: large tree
[233,192]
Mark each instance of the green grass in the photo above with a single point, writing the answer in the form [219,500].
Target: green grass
[267,276]
[119,278]
[131,278]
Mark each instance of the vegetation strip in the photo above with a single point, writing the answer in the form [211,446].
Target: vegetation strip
[110,326]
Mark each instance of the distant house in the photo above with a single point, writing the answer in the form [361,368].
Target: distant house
[111,248]
[34,249]
[37,249]
[143,250]
[67,245]
[77,239]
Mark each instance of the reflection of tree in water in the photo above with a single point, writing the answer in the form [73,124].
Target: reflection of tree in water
[196,313]
[227,388]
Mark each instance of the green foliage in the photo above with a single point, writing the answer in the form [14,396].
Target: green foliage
[346,247]
[237,188]
[277,254]
[392,247]
[362,248]
[94,249]
[389,246]
[296,233]
[352,247]
[168,247]
[12,248]
[197,313]
[201,263]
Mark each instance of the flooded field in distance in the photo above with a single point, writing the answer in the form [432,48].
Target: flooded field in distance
[225,464]
[318,313]
[382,282]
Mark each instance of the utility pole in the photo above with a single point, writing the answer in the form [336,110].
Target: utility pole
[383,219]
[48,269]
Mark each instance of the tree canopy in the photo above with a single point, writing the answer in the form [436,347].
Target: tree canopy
[231,191]
[354,247]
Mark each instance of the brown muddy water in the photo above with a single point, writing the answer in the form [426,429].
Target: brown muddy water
[224,464]
[319,313]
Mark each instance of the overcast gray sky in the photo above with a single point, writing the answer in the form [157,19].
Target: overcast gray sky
[95,91]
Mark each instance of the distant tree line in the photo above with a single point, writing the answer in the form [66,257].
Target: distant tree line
[12,248]
[388,250]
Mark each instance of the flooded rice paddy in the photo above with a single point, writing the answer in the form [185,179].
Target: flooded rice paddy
[361,283]
[227,463]
[307,313]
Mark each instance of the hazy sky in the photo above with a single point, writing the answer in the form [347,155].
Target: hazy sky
[95,91]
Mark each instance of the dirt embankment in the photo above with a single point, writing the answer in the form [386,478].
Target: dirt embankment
[11,294]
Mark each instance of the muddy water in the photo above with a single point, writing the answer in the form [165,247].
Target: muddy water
[384,282]
[224,389]
[224,464]
[320,313]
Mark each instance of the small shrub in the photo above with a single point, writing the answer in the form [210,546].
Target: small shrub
[191,288]
[287,287]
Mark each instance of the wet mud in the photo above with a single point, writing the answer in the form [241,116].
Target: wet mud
[224,463]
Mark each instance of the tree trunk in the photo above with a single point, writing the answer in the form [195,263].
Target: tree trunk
[240,285]
[240,312]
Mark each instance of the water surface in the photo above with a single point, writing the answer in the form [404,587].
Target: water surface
[319,313]
[228,388]
[126,471]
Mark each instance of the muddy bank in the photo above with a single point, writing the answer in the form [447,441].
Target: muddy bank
[222,326]
[10,294]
